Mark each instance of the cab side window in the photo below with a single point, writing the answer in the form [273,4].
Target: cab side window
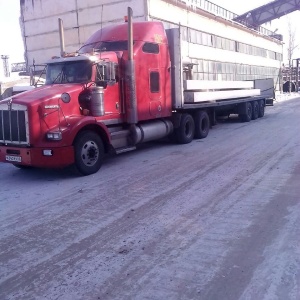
[151,48]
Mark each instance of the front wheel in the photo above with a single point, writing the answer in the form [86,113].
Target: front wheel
[89,152]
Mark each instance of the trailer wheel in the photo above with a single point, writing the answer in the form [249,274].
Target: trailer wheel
[255,110]
[202,124]
[89,152]
[186,130]
[248,115]
[261,108]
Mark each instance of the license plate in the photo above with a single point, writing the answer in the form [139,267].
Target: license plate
[13,158]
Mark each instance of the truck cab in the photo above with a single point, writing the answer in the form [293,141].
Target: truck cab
[152,63]
[84,109]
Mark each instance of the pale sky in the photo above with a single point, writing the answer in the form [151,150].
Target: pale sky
[12,44]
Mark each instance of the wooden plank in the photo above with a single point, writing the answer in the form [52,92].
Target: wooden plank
[195,97]
[216,85]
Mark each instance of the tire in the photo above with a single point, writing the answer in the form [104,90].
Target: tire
[186,130]
[248,115]
[89,152]
[255,110]
[261,108]
[202,124]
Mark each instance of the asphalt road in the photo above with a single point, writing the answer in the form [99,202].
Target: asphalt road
[215,219]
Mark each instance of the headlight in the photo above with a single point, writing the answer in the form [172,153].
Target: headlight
[54,136]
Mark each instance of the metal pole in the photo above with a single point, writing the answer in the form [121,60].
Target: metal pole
[130,34]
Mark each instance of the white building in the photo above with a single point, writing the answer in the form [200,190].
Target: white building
[219,48]
[1,71]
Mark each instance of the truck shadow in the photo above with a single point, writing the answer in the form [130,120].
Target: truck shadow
[231,119]
[42,174]
[45,174]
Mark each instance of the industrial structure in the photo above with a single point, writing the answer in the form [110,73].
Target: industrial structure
[268,12]
[82,18]
[18,67]
[5,72]
[291,76]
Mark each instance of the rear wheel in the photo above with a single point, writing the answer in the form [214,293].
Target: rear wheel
[261,108]
[201,124]
[89,152]
[186,130]
[255,110]
[248,115]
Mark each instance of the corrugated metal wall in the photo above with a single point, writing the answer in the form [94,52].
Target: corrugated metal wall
[81,19]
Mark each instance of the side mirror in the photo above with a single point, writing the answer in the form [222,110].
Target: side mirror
[106,74]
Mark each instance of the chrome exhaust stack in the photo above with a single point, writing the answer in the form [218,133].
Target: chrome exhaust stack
[131,105]
[61,37]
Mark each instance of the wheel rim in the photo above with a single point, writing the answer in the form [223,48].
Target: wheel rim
[90,153]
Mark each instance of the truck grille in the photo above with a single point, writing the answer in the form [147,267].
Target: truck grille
[13,124]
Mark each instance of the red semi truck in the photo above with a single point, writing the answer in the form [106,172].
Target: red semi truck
[128,84]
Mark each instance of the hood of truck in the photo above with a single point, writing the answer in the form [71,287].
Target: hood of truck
[46,92]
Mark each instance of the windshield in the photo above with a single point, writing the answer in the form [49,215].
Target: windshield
[104,46]
[69,72]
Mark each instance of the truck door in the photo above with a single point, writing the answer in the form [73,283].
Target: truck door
[152,51]
[153,81]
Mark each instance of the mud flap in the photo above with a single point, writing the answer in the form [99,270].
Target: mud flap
[270,102]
